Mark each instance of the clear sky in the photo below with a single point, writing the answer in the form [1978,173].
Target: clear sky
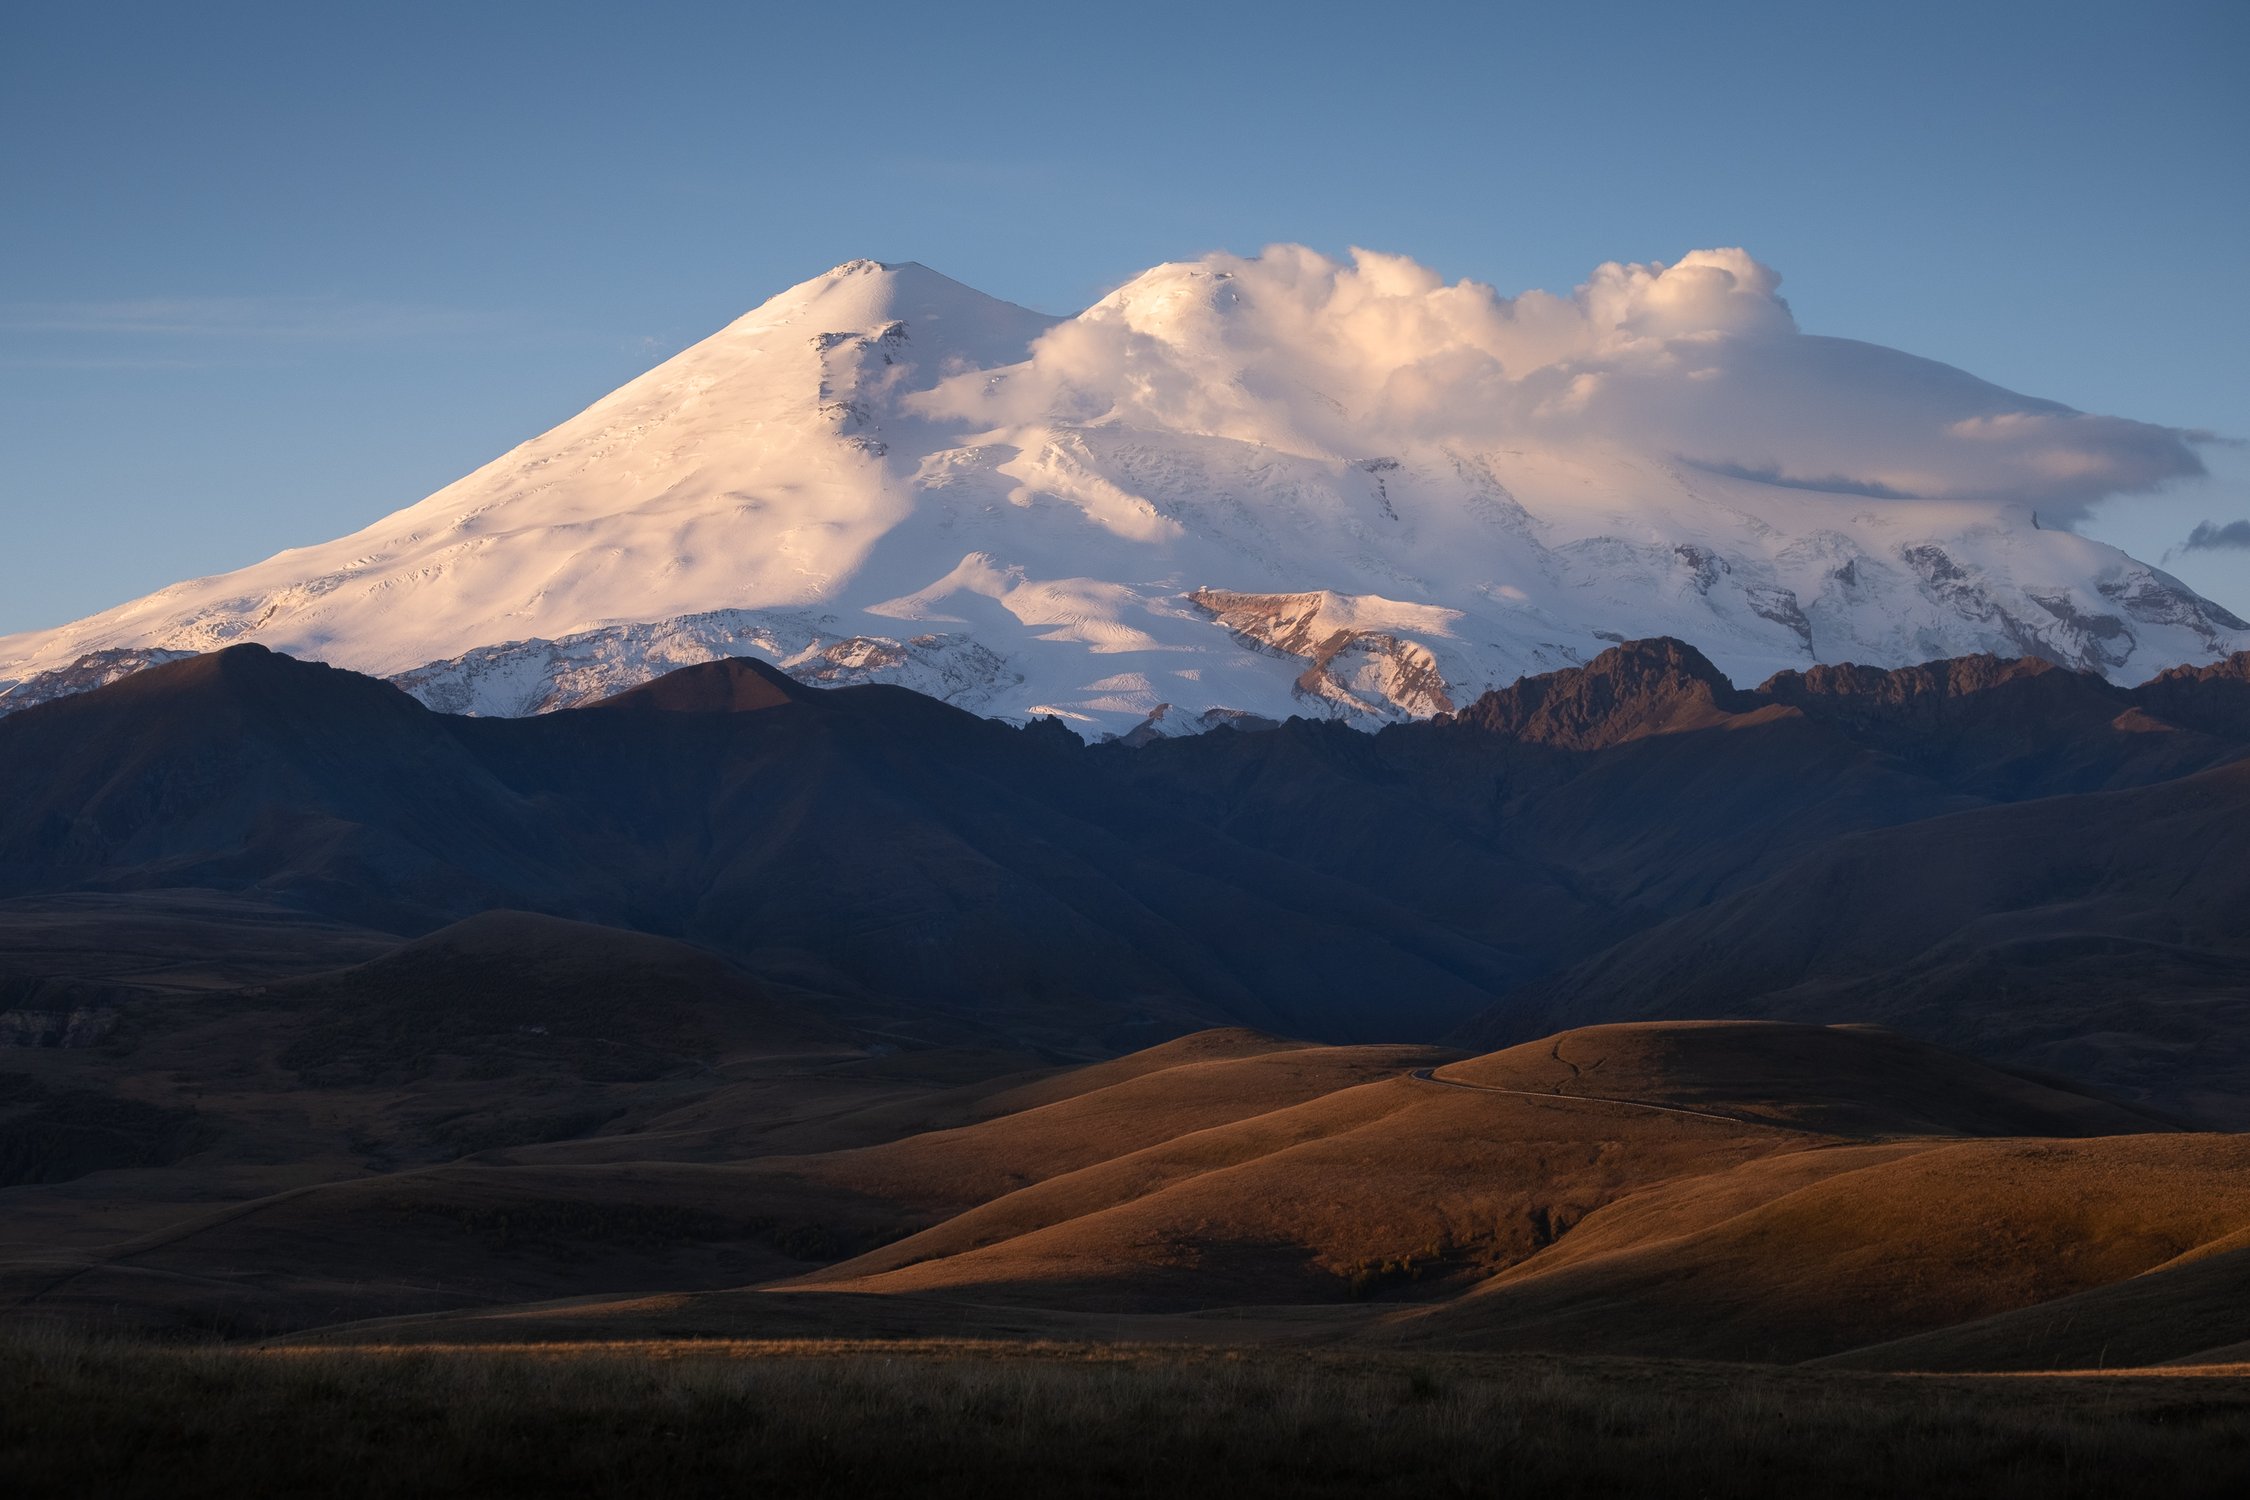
[270,271]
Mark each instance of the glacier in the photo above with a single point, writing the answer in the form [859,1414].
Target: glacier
[1236,489]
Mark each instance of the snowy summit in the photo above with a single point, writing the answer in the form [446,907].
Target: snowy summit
[1268,485]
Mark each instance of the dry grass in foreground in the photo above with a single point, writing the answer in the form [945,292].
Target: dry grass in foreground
[80,1417]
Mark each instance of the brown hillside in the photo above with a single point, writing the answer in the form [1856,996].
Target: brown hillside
[1732,1191]
[1880,1249]
[662,1201]
[1157,1099]
[1312,1202]
[1840,1080]
[1629,1219]
[2192,1310]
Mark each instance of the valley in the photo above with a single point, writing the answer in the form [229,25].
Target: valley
[743,1020]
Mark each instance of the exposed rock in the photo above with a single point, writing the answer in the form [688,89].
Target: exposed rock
[1633,690]
[1354,670]
[2214,699]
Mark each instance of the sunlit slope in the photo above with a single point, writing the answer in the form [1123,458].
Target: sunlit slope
[1713,1190]
[1879,1249]
[1169,1095]
[1299,1204]
[1234,485]
[417,1056]
[1452,1172]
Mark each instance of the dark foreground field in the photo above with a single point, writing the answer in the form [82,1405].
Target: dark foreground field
[82,1417]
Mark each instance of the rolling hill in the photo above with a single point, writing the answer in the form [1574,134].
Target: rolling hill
[1897,1207]
[1864,1016]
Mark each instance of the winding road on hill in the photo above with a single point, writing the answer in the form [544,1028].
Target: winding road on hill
[1429,1075]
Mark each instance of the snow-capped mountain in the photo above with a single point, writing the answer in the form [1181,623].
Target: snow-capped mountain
[1236,486]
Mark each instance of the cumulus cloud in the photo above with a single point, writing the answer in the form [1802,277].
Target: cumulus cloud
[2210,536]
[1699,360]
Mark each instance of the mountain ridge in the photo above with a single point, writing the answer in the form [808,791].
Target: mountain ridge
[1222,491]
[946,873]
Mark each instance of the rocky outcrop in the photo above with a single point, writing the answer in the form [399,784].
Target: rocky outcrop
[2214,699]
[1633,690]
[1355,668]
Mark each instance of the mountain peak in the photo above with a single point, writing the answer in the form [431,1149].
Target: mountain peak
[902,269]
[2214,698]
[1952,678]
[871,296]
[1400,493]
[731,685]
[250,672]
[2008,694]
[1632,690]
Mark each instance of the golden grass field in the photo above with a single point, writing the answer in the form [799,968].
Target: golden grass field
[1691,1258]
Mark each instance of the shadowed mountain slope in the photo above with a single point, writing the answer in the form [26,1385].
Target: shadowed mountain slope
[867,842]
[939,876]
[1643,784]
[2050,933]
[250,772]
[736,685]
[612,1003]
[2214,698]
[2194,1309]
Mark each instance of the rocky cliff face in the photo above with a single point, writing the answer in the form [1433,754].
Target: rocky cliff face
[1633,690]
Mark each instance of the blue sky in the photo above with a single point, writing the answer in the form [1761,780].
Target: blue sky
[270,271]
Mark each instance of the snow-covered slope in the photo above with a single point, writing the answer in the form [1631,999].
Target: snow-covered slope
[1265,486]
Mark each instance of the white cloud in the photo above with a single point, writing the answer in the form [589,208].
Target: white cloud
[1700,359]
